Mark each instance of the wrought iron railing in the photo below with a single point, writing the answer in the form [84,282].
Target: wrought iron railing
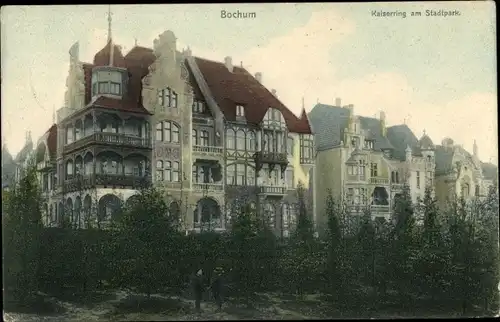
[110,138]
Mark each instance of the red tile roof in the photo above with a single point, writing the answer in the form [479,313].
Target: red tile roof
[52,141]
[228,89]
[102,57]
[119,104]
[241,88]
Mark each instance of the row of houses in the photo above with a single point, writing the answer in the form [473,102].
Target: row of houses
[212,137]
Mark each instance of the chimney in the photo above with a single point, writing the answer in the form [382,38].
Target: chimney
[228,61]
[258,77]
[382,116]
[273,91]
[338,102]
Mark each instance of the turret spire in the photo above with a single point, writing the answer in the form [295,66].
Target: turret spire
[303,103]
[110,41]
[53,115]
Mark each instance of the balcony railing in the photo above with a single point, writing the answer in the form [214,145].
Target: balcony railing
[270,157]
[214,187]
[382,181]
[110,138]
[380,208]
[397,186]
[108,180]
[44,165]
[306,161]
[213,151]
[270,190]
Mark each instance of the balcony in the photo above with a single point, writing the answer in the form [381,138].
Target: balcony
[272,191]
[207,152]
[270,157]
[306,161]
[106,180]
[208,187]
[397,186]
[380,209]
[115,139]
[45,165]
[379,181]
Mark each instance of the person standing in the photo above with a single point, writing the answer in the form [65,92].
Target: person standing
[198,288]
[217,285]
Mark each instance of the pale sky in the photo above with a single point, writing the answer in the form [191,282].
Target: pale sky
[437,73]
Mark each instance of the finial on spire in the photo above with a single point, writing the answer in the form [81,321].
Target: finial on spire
[135,43]
[110,41]
[109,23]
[424,131]
[53,115]
[303,103]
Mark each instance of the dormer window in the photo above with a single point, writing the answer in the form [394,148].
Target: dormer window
[240,111]
[167,98]
[106,81]
[198,106]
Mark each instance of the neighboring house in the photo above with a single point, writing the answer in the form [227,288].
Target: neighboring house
[208,134]
[460,174]
[363,163]
[8,168]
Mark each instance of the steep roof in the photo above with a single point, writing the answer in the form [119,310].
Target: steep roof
[401,136]
[52,141]
[374,127]
[490,171]
[136,62]
[328,123]
[425,143]
[241,88]
[102,57]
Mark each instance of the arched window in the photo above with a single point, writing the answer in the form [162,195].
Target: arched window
[289,146]
[204,138]
[159,171]
[251,142]
[69,134]
[250,176]
[175,171]
[69,168]
[230,139]
[195,137]
[240,140]
[167,131]
[465,190]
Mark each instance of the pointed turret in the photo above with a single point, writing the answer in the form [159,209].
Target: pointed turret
[425,143]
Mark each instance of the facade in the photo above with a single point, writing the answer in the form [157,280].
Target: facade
[461,174]
[208,134]
[364,163]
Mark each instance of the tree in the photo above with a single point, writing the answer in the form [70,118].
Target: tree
[148,235]
[22,228]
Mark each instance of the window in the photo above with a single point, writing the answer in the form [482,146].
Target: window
[170,170]
[159,132]
[289,147]
[195,138]
[69,134]
[115,88]
[362,168]
[240,174]
[240,140]
[230,142]
[230,174]
[170,132]
[103,87]
[373,170]
[161,98]
[168,94]
[429,177]
[175,171]
[476,193]
[240,111]
[418,179]
[173,102]
[198,174]
[289,178]
[250,176]
[465,190]
[251,141]
[397,177]
[159,170]
[198,106]
[352,170]
[267,142]
[204,138]
[306,147]
[280,143]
